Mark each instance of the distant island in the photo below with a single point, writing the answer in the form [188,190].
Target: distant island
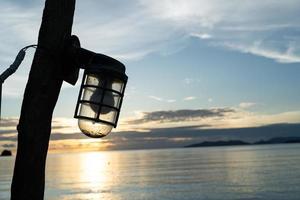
[279,140]
[6,153]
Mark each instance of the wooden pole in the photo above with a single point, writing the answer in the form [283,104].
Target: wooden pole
[41,94]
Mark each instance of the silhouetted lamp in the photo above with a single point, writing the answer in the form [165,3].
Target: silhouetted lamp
[100,97]
[101,92]
[102,89]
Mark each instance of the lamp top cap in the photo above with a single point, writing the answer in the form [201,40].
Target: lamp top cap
[92,61]
[104,64]
[108,63]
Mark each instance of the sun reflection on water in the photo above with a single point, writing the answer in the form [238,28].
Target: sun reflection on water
[95,175]
[94,169]
[83,176]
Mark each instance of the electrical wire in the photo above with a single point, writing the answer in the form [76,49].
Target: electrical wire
[17,62]
[13,68]
[29,46]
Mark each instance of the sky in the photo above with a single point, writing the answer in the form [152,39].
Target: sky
[192,65]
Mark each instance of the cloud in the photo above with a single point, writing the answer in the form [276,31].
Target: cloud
[163,129]
[234,23]
[8,145]
[8,122]
[162,99]
[132,30]
[156,98]
[206,118]
[19,27]
[288,55]
[189,81]
[171,100]
[175,137]
[163,26]
[64,126]
[190,98]
[181,115]
[245,105]
[203,36]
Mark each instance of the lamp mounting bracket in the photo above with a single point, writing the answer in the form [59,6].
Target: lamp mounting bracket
[70,70]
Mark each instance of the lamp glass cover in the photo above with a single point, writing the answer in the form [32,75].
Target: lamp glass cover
[100,104]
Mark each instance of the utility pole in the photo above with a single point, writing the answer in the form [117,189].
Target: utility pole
[41,94]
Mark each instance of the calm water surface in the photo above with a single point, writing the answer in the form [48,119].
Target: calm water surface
[270,172]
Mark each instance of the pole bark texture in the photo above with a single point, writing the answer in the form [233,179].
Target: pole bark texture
[41,94]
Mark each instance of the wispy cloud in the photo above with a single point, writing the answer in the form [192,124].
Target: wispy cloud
[162,99]
[203,36]
[155,98]
[189,81]
[161,26]
[245,105]
[190,98]
[181,115]
[209,118]
[171,100]
[278,33]
[288,55]
[132,30]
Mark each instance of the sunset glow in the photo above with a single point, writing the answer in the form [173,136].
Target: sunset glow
[196,65]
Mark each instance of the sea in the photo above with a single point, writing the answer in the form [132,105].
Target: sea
[262,172]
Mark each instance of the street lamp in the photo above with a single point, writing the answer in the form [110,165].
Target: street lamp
[101,91]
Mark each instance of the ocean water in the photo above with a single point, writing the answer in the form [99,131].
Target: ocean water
[269,172]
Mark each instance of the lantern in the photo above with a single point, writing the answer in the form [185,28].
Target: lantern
[101,95]
[101,91]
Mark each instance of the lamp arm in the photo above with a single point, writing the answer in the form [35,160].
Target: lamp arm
[75,58]
[83,57]
[79,57]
